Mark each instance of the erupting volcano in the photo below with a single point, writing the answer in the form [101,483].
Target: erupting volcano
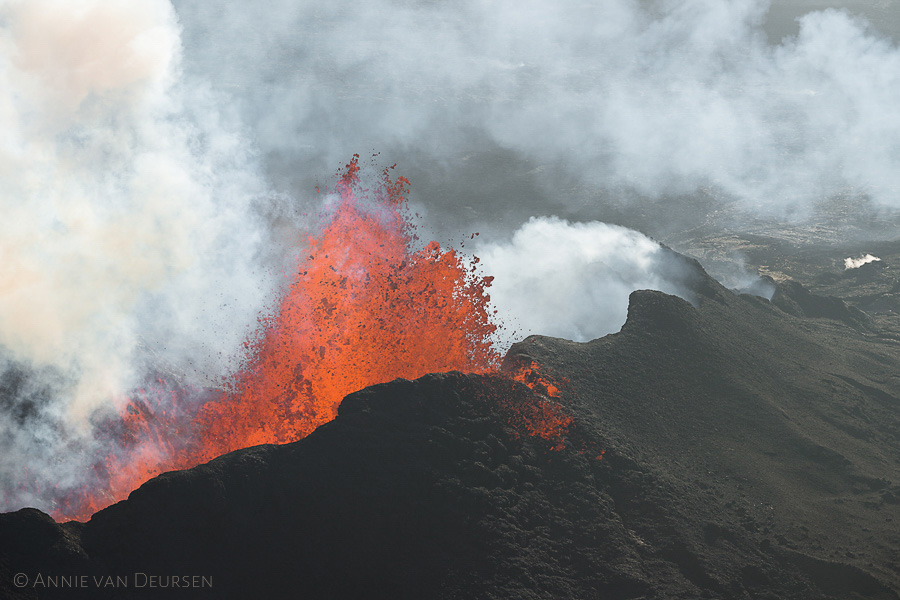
[365,306]
[671,371]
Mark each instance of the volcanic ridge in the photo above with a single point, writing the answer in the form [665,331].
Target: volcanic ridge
[731,447]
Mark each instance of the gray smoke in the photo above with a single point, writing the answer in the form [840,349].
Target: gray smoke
[500,107]
[132,236]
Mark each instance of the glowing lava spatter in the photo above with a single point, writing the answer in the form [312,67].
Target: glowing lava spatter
[544,418]
[532,376]
[365,307]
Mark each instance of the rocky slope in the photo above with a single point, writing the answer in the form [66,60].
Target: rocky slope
[749,450]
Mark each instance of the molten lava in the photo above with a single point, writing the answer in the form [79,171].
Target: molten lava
[365,307]
[532,376]
[543,416]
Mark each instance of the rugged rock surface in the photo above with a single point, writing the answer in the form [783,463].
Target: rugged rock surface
[747,453]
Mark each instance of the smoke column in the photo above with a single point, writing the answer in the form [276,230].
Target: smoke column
[130,236]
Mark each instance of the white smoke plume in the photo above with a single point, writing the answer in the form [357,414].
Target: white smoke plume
[855,263]
[127,203]
[572,280]
[130,235]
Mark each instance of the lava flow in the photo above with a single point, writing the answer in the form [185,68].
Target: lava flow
[364,307]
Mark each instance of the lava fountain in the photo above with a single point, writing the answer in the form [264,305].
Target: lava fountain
[365,306]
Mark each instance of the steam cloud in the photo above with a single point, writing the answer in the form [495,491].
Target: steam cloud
[127,201]
[642,100]
[130,237]
[855,263]
[572,280]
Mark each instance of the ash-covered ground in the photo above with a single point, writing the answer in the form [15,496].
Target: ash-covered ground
[749,450]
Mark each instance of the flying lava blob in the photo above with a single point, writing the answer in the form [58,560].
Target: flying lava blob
[365,306]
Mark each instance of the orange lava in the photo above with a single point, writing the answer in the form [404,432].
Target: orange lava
[531,376]
[543,417]
[365,307]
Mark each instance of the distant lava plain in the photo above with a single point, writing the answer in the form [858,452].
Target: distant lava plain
[733,448]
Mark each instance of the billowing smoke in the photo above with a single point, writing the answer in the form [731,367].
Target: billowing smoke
[617,103]
[130,231]
[127,199]
[572,280]
[855,263]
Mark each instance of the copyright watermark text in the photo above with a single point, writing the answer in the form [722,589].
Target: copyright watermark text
[134,580]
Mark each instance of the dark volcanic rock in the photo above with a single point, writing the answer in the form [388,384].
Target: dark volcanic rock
[747,453]
[793,298]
